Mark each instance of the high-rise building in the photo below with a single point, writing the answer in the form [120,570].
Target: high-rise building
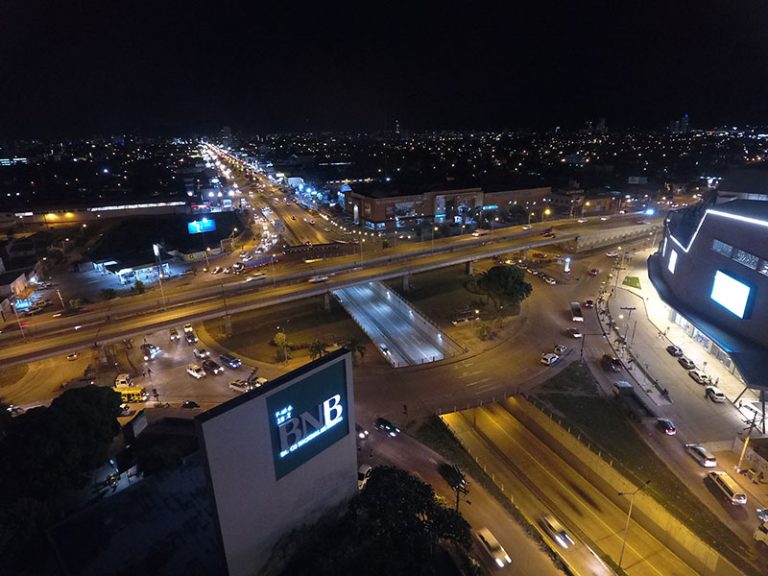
[397,127]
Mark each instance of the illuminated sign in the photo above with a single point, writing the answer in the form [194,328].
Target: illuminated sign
[490,207]
[202,225]
[307,418]
[730,293]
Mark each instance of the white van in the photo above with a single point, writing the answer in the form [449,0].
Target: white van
[728,486]
[123,380]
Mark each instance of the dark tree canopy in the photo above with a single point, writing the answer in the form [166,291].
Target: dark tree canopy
[392,527]
[506,283]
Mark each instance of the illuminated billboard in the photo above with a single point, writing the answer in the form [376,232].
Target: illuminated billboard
[202,225]
[307,418]
[731,294]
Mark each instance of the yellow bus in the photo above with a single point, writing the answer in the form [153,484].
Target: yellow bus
[132,393]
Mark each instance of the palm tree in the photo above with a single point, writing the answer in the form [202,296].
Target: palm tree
[356,346]
[317,349]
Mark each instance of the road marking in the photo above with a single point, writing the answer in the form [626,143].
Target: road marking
[478,382]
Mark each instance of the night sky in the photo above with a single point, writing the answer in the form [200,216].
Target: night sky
[168,67]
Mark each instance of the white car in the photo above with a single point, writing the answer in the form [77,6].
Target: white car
[200,353]
[493,548]
[715,394]
[259,382]
[574,332]
[240,386]
[195,371]
[703,456]
[556,531]
[316,279]
[549,359]
[700,377]
[560,349]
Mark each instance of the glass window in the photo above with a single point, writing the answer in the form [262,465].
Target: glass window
[763,268]
[722,248]
[749,260]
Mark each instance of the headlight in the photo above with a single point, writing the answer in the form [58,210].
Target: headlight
[500,562]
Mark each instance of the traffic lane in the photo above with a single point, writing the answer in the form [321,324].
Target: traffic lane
[579,558]
[479,508]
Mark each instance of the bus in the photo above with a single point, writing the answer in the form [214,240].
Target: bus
[132,393]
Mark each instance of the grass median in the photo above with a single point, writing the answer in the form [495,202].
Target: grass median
[573,394]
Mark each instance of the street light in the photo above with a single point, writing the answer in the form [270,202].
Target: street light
[434,229]
[629,516]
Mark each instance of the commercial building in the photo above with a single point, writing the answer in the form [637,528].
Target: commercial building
[384,207]
[712,270]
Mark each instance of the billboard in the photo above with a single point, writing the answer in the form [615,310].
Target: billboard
[307,418]
[731,294]
[279,457]
[202,225]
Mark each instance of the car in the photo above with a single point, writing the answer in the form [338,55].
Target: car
[228,270]
[174,334]
[238,266]
[667,426]
[556,531]
[72,356]
[191,338]
[316,279]
[715,394]
[526,227]
[212,367]
[700,377]
[190,404]
[384,349]
[200,353]
[589,304]
[686,363]
[612,254]
[549,359]
[195,371]
[245,255]
[550,235]
[674,351]
[610,362]
[574,332]
[703,456]
[230,361]
[31,311]
[14,410]
[387,427]
[188,328]
[217,270]
[594,272]
[258,382]
[581,220]
[241,386]
[493,548]
[603,218]
[548,279]
[150,351]
[363,473]
[293,218]
[362,433]
[560,349]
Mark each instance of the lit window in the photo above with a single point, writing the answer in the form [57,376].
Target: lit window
[672,261]
[749,260]
[722,248]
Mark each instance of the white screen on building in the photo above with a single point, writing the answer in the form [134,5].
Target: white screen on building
[730,293]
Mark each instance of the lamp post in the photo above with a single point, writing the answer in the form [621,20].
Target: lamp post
[18,321]
[629,309]
[156,250]
[629,516]
[207,263]
[434,229]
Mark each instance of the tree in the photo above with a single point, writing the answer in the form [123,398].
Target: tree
[356,346]
[505,283]
[283,346]
[140,287]
[75,303]
[317,349]
[108,293]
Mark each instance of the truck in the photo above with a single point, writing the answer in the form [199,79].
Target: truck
[625,393]
[576,312]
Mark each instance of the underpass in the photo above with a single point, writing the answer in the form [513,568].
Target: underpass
[403,335]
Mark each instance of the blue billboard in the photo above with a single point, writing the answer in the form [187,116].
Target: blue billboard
[308,417]
[202,225]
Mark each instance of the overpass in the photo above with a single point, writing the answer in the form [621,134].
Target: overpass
[140,315]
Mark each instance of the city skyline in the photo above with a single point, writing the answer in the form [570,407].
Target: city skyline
[186,69]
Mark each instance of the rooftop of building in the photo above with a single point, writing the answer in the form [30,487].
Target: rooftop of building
[745,181]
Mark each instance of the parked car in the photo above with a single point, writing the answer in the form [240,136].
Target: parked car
[240,386]
[195,371]
[560,349]
[700,377]
[212,367]
[493,548]
[674,350]
[190,404]
[230,361]
[200,353]
[191,338]
[715,394]
[556,531]
[174,334]
[387,427]
[686,363]
[549,359]
[701,455]
[574,332]
[667,426]
[362,433]
[258,382]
